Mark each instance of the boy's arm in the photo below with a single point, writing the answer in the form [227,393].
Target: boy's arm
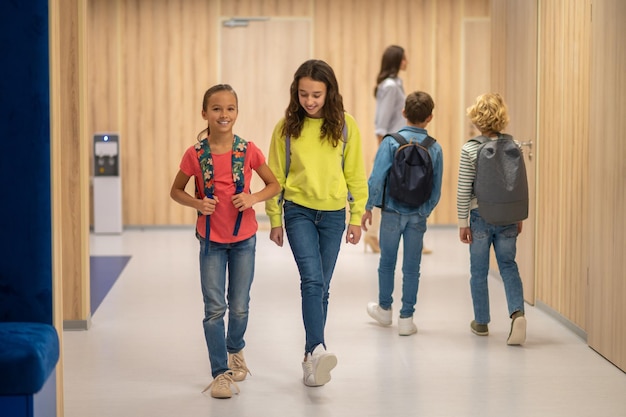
[467,173]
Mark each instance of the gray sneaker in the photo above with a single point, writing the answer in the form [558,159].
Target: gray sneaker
[479,329]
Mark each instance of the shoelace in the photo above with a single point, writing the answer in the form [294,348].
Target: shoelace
[238,364]
[222,381]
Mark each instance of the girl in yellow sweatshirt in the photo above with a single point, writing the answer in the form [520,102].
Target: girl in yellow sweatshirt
[317,157]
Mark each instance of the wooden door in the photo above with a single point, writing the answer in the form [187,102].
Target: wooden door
[258,61]
[516,62]
[606,320]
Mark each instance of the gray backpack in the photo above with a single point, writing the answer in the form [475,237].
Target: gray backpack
[501,186]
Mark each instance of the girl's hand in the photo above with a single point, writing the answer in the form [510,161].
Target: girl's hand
[243,201]
[276,235]
[207,205]
[353,235]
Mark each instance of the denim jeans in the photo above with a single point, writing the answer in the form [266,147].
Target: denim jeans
[238,257]
[504,239]
[411,228]
[315,238]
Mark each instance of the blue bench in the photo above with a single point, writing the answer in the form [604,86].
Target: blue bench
[28,355]
[29,344]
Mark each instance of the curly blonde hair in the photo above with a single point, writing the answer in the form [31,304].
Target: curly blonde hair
[489,113]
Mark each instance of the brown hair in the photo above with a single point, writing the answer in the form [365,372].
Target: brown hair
[333,110]
[418,106]
[390,64]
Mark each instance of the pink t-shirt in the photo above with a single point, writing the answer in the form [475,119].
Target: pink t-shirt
[225,215]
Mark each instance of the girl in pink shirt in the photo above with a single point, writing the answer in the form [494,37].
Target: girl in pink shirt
[222,164]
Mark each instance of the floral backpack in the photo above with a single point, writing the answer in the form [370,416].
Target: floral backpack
[206,165]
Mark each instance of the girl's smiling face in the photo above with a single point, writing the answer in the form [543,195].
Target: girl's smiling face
[221,111]
[312,96]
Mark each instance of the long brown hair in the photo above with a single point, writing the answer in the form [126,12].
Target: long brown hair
[390,64]
[333,110]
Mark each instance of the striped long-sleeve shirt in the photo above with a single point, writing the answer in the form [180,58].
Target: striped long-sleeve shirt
[465,198]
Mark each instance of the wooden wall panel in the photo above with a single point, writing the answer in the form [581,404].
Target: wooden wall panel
[516,28]
[74,164]
[607,188]
[562,232]
[163,58]
[69,176]
[163,55]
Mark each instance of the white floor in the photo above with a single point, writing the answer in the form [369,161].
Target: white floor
[145,353]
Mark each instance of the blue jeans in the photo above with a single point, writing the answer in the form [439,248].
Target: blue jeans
[504,239]
[238,257]
[411,228]
[315,239]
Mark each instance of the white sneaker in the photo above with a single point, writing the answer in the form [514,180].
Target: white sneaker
[379,314]
[317,366]
[406,327]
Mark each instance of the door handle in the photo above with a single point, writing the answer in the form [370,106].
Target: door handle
[529,145]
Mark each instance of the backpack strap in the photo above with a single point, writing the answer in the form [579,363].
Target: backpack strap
[206,166]
[480,139]
[428,141]
[238,158]
[398,137]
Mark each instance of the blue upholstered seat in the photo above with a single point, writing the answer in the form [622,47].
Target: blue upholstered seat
[28,355]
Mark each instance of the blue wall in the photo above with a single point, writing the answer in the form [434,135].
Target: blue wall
[25,206]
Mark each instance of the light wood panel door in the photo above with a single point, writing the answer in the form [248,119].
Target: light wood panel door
[258,61]
[521,97]
[514,69]
[607,176]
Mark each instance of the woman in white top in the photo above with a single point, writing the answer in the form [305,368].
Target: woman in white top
[390,97]
[389,92]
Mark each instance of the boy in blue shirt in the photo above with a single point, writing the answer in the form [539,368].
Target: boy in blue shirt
[400,220]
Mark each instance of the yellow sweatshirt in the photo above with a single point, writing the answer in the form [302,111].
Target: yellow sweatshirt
[316,179]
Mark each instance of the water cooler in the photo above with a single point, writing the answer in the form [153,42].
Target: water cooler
[107,184]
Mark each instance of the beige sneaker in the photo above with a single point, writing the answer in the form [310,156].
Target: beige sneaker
[517,336]
[238,367]
[220,387]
